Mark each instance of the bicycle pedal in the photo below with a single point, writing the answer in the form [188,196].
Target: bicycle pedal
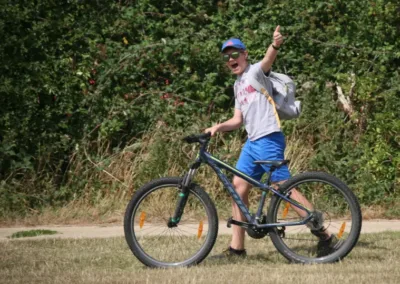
[281,232]
[229,223]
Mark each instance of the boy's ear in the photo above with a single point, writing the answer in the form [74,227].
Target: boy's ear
[246,54]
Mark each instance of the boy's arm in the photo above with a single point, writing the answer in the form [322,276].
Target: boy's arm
[231,124]
[271,53]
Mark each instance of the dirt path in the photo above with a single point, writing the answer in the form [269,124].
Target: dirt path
[370,226]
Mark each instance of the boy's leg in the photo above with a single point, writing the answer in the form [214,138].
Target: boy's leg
[300,198]
[242,187]
[245,164]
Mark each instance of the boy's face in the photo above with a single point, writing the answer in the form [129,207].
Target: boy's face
[236,60]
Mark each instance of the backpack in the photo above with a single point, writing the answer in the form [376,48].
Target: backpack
[283,91]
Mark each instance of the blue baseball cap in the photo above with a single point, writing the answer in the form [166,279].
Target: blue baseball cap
[233,42]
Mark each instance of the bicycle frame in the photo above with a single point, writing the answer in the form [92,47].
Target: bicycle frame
[217,165]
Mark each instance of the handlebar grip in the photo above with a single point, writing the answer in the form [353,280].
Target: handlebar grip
[199,138]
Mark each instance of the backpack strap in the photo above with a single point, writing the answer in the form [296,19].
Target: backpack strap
[256,85]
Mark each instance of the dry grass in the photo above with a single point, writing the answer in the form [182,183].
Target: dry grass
[374,260]
[162,153]
[74,213]
[108,179]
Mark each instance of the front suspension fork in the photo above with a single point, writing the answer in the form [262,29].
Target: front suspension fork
[182,198]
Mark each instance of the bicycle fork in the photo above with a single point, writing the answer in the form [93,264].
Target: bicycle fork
[182,198]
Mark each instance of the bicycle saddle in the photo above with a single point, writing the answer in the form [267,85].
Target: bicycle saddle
[273,163]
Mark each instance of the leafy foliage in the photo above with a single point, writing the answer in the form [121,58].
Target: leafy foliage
[81,78]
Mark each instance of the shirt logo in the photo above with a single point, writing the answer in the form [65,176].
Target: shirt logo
[245,94]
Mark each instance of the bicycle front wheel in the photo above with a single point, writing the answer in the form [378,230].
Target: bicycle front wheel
[334,231]
[146,225]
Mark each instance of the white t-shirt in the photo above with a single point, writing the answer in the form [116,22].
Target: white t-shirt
[258,114]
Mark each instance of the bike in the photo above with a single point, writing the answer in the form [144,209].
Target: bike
[172,221]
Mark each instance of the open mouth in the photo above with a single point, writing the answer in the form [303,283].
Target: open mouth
[234,65]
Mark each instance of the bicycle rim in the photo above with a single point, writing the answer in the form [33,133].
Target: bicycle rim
[340,217]
[163,246]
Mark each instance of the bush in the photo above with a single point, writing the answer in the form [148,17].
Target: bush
[89,79]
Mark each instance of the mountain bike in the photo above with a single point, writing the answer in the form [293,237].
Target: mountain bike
[172,221]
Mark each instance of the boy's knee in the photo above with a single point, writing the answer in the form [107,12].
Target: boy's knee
[241,186]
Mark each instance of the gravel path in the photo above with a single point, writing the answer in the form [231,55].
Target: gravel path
[101,231]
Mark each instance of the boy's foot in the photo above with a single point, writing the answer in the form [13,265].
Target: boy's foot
[328,246]
[231,253]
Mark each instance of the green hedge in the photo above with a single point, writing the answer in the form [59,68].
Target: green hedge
[84,74]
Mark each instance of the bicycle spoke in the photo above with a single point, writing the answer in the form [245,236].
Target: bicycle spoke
[331,224]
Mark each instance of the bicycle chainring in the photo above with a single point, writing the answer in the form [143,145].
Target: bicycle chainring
[258,233]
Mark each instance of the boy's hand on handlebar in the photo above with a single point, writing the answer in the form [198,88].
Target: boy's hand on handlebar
[212,130]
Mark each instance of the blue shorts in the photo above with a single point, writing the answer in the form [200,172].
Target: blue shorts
[270,147]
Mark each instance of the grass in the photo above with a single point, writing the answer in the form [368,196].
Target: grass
[374,260]
[32,233]
[103,179]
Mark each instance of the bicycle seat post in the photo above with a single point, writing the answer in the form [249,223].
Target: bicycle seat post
[271,170]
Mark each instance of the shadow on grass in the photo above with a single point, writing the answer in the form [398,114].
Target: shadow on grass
[369,249]
[267,258]
[32,233]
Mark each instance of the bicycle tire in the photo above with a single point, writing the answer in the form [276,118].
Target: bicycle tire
[164,247]
[297,243]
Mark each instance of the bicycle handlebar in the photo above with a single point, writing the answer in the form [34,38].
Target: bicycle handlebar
[199,138]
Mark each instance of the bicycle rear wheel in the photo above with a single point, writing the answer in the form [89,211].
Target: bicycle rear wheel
[338,216]
[150,238]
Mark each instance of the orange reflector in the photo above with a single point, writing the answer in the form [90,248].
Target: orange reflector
[142,217]
[286,210]
[200,230]
[341,231]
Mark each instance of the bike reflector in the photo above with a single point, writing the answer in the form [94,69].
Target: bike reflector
[200,230]
[341,231]
[286,210]
[141,219]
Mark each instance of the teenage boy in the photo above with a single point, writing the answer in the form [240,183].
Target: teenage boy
[265,138]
